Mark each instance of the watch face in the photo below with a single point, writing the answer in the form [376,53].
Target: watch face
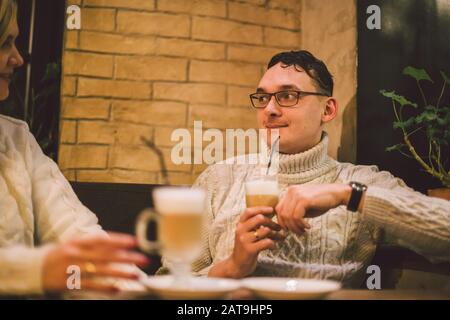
[358,185]
[355,197]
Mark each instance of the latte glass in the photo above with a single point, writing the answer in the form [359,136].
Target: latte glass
[179,215]
[262,192]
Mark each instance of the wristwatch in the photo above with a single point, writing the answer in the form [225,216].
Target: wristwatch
[355,198]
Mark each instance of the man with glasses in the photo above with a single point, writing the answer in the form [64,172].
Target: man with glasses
[331,215]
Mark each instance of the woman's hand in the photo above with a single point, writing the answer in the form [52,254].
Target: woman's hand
[94,255]
[255,232]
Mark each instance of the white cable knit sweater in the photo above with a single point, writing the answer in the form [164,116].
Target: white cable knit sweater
[340,244]
[37,206]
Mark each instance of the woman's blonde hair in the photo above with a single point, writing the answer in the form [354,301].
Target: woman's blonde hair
[8,12]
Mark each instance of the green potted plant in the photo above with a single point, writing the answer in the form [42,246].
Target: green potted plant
[428,120]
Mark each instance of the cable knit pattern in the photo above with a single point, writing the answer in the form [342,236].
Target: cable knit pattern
[38,207]
[340,244]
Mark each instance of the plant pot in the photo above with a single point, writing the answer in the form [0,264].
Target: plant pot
[443,193]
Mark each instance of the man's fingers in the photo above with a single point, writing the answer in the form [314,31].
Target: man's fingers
[277,236]
[280,205]
[253,211]
[264,244]
[290,216]
[280,219]
[265,232]
[294,227]
[298,216]
[262,233]
[282,222]
[288,209]
[286,215]
[260,220]
[306,223]
[293,224]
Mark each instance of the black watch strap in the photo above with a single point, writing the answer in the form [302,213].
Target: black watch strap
[355,198]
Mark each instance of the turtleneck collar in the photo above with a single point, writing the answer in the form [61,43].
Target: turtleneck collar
[306,166]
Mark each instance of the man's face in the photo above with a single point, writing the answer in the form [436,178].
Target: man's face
[300,126]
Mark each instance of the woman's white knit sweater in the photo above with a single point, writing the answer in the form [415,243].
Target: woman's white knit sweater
[37,207]
[340,243]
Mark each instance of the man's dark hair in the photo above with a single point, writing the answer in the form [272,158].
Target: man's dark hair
[314,67]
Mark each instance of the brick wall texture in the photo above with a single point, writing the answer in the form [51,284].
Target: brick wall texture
[146,67]
[335,43]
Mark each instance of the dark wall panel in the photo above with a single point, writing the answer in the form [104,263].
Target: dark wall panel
[413,32]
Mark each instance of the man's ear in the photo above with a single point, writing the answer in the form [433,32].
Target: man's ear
[330,111]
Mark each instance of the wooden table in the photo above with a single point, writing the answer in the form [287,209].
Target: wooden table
[388,295]
[244,294]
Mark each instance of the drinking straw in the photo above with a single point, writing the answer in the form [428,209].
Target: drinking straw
[271,155]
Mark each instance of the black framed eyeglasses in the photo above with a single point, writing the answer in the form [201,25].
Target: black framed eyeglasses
[285,98]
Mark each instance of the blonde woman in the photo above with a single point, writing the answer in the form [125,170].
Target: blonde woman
[44,228]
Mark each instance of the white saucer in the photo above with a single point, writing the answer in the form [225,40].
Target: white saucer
[290,288]
[198,287]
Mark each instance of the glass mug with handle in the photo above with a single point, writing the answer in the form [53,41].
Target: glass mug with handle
[179,215]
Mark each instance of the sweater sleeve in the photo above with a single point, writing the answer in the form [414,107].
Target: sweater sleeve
[411,219]
[21,270]
[58,212]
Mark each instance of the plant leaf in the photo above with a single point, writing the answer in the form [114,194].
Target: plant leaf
[444,116]
[403,124]
[433,132]
[444,76]
[398,98]
[430,114]
[431,108]
[418,74]
[446,111]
